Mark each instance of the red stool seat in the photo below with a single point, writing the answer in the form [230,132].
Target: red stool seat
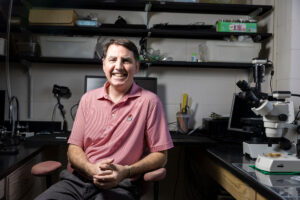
[45,168]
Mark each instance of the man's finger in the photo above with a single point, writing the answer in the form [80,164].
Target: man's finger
[108,161]
[105,172]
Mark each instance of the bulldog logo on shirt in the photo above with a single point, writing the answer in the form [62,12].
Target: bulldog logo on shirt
[129,118]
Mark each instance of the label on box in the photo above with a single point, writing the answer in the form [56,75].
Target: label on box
[236,27]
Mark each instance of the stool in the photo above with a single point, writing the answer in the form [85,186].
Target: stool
[46,169]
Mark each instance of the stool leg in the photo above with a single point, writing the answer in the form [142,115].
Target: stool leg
[155,190]
[48,180]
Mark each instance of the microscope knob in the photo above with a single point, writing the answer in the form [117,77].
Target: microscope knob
[282,117]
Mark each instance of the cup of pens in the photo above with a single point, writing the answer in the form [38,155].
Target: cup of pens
[183,122]
[183,116]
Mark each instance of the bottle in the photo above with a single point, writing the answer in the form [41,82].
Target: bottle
[194,57]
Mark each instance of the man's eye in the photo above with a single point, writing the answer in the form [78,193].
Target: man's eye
[126,61]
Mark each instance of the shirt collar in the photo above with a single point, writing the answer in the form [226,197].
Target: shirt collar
[135,91]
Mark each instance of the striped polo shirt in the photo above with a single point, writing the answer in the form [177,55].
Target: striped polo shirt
[123,131]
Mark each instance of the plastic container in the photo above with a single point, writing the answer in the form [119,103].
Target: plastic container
[183,122]
[223,51]
[68,47]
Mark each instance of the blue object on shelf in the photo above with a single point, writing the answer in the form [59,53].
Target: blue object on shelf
[87,23]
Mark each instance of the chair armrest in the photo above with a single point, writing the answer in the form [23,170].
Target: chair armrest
[155,175]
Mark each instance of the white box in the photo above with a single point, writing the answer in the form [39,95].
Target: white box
[2,46]
[68,47]
[223,51]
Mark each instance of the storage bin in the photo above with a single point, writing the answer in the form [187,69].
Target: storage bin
[68,47]
[223,51]
[2,46]
[57,17]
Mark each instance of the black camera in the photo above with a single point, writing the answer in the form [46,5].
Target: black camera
[61,91]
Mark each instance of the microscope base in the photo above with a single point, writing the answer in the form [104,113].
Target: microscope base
[253,150]
[285,163]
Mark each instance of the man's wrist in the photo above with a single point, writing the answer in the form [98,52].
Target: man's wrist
[129,172]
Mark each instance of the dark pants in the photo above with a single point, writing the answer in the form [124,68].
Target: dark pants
[73,186]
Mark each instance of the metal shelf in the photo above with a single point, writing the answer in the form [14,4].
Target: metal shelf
[142,31]
[156,6]
[224,65]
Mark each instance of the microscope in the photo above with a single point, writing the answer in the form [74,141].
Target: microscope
[281,151]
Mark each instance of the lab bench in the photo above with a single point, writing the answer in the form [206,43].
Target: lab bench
[225,163]
[16,181]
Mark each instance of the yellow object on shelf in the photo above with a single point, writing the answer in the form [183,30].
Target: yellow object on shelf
[55,17]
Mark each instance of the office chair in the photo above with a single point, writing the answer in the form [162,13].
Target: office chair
[47,168]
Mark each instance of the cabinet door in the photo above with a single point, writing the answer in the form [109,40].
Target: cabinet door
[20,184]
[2,188]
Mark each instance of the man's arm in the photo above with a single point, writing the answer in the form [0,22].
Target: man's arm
[151,162]
[79,162]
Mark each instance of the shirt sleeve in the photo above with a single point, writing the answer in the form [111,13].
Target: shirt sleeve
[77,134]
[157,132]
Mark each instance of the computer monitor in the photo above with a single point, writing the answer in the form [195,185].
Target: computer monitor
[93,82]
[240,113]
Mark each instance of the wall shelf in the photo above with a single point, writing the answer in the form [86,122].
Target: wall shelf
[161,6]
[224,65]
[142,31]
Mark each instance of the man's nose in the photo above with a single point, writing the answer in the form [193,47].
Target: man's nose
[119,64]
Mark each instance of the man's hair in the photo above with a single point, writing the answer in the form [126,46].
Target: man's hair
[122,42]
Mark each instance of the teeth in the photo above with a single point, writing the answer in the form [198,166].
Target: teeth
[119,75]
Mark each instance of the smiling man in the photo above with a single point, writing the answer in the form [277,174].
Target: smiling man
[119,133]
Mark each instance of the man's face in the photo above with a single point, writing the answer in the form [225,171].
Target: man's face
[119,67]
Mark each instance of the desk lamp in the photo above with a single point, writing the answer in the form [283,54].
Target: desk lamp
[62,92]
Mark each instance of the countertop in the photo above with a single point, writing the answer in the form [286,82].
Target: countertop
[271,186]
[10,162]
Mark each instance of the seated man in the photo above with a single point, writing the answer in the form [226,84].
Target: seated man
[115,127]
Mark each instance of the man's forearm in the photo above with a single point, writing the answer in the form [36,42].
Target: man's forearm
[151,162]
[78,159]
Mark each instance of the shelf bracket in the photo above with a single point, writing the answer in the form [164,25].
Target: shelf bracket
[27,64]
[255,13]
[147,10]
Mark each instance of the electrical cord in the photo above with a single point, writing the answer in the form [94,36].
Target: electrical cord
[53,112]
[71,110]
[8,83]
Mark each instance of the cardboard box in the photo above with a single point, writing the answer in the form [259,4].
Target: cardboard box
[55,17]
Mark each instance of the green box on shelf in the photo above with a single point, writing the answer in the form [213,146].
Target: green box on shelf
[244,27]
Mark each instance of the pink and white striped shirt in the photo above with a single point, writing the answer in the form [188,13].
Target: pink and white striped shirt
[123,131]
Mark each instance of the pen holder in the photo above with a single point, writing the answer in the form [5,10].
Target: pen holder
[183,122]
